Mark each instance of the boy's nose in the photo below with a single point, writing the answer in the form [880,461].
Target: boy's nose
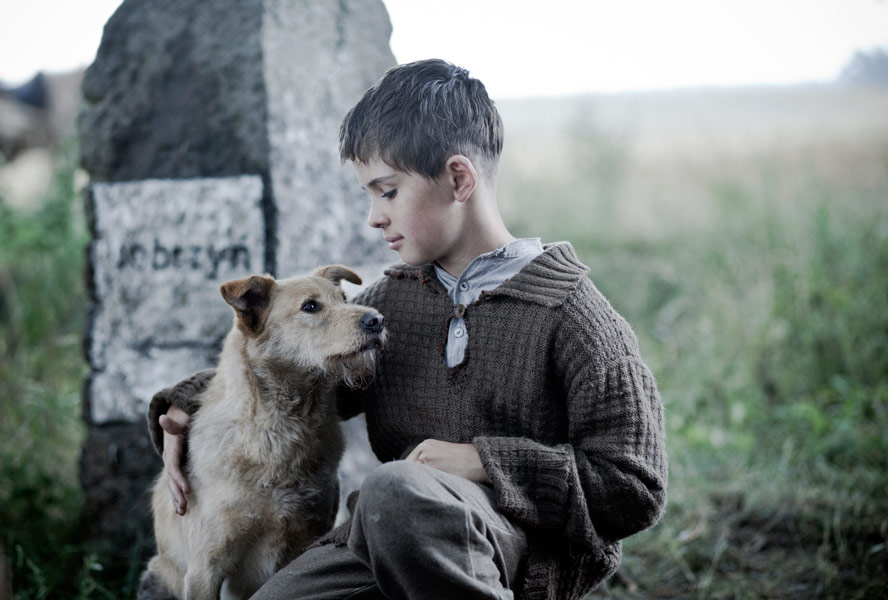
[376,218]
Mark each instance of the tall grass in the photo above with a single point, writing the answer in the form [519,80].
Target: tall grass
[766,324]
[42,310]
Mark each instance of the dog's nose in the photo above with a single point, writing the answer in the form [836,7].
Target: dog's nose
[372,321]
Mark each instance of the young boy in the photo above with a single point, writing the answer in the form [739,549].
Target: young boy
[522,434]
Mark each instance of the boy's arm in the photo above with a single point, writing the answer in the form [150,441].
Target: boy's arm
[175,426]
[609,480]
[182,395]
[169,413]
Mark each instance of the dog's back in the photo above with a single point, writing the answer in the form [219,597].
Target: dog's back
[265,445]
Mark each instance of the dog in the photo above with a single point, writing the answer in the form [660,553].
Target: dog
[265,446]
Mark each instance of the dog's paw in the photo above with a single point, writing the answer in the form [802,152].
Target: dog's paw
[152,588]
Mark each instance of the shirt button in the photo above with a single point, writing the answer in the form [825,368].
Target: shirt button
[463,286]
[459,332]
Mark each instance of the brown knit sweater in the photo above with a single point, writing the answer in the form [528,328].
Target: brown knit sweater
[553,393]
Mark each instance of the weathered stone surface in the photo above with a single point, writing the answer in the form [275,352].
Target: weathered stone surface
[160,251]
[321,208]
[177,90]
[117,468]
[225,87]
[183,90]
[121,391]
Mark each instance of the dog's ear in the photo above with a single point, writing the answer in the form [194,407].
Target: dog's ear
[249,298]
[337,273]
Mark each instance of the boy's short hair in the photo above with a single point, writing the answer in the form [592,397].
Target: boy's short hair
[420,114]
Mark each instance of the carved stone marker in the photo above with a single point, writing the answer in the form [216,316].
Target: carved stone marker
[160,249]
[210,132]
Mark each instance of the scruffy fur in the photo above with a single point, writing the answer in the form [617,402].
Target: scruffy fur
[264,447]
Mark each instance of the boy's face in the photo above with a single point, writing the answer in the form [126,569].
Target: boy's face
[418,216]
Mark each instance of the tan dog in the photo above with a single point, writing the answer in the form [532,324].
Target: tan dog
[264,447]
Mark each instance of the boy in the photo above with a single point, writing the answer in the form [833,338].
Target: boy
[521,433]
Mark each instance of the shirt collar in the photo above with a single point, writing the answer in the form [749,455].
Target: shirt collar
[546,280]
[521,248]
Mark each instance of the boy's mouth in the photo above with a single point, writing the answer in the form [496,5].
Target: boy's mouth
[394,242]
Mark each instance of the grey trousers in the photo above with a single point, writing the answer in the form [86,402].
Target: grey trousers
[416,533]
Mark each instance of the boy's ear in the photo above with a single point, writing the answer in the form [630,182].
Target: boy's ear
[337,273]
[462,175]
[249,298]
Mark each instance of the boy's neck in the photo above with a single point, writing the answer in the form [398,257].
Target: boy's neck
[483,230]
[478,241]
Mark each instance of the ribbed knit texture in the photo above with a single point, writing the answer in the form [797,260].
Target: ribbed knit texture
[181,395]
[566,417]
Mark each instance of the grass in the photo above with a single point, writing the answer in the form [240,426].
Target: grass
[766,324]
[42,301]
[761,305]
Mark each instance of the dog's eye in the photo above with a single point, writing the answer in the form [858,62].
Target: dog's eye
[310,306]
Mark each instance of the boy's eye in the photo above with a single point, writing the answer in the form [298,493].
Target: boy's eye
[310,306]
[390,195]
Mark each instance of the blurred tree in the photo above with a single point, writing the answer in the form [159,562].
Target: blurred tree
[866,67]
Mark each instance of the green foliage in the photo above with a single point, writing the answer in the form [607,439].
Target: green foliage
[826,372]
[42,310]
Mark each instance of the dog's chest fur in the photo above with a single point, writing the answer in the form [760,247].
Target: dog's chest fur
[265,446]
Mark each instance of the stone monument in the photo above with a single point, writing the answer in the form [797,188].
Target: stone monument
[210,133]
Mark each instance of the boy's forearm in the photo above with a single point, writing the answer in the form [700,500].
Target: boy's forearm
[607,482]
[560,490]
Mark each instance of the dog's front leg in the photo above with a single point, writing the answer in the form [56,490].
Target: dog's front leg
[202,582]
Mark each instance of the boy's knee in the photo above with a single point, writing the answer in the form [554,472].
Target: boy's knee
[393,484]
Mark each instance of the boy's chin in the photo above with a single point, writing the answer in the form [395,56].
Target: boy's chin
[416,257]
[411,260]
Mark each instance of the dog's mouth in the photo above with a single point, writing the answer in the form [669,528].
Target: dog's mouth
[357,368]
[375,343]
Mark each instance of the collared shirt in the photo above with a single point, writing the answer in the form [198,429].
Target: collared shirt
[485,272]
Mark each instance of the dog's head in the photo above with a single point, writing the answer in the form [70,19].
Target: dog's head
[306,322]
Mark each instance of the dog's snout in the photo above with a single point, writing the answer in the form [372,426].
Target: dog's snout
[372,321]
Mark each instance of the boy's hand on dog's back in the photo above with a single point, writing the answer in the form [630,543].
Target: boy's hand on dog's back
[174,424]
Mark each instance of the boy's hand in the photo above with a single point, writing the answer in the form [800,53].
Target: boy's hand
[456,459]
[174,424]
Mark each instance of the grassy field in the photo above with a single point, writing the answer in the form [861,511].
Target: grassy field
[744,235]
[42,300]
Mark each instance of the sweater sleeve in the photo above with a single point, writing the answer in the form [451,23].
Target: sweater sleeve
[608,480]
[182,395]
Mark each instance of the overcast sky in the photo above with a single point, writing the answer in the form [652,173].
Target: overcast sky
[545,47]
